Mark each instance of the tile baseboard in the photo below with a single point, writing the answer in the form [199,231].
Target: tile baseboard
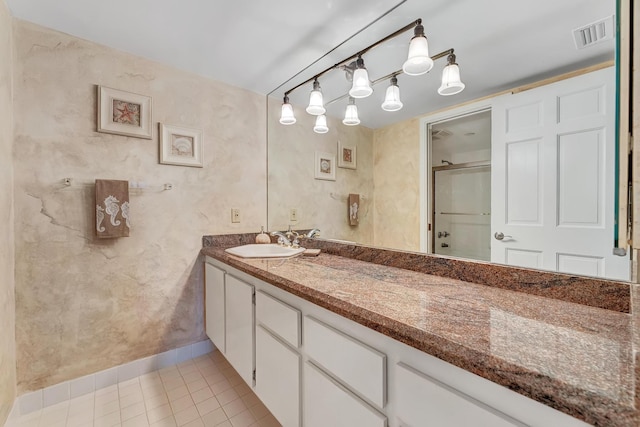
[39,399]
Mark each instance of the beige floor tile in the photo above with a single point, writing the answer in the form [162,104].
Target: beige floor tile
[182,404]
[192,376]
[220,387]
[186,416]
[106,390]
[227,396]
[201,395]
[138,421]
[215,378]
[243,419]
[159,413]
[195,423]
[109,420]
[132,411]
[177,393]
[106,408]
[166,422]
[207,406]
[197,385]
[155,401]
[225,424]
[174,383]
[234,408]
[130,399]
[107,397]
[250,400]
[259,411]
[242,389]
[214,418]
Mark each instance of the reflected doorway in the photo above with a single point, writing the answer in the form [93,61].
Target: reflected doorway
[461,186]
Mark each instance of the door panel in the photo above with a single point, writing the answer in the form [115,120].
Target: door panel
[553,168]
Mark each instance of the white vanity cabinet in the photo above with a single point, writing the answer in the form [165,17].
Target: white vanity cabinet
[328,403]
[278,361]
[420,397]
[315,368]
[239,326]
[214,306]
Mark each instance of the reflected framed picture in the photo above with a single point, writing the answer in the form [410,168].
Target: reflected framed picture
[180,146]
[124,113]
[325,166]
[346,156]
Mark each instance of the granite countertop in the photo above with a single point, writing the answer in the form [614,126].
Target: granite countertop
[575,358]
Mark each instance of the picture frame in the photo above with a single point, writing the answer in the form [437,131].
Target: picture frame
[325,166]
[346,156]
[124,113]
[180,146]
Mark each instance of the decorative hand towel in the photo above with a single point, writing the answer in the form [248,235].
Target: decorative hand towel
[112,208]
[354,207]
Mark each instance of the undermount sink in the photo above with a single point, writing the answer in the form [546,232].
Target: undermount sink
[264,251]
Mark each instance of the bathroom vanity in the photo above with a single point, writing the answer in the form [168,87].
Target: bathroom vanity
[337,340]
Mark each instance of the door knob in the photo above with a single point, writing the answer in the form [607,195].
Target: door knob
[500,236]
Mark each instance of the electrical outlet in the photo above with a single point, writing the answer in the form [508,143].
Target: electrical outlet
[235,215]
[293,214]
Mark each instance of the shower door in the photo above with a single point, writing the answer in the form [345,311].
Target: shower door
[462,210]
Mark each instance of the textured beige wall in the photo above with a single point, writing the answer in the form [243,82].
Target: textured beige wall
[7,298]
[396,177]
[83,305]
[292,184]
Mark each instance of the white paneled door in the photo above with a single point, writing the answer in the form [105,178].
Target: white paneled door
[553,168]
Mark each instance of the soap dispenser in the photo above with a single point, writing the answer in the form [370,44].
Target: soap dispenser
[263,237]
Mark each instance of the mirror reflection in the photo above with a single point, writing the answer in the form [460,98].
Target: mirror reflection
[518,168]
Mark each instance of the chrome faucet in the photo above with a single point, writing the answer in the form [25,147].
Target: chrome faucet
[313,233]
[282,239]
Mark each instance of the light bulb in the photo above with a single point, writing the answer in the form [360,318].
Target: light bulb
[321,124]
[418,60]
[316,102]
[451,83]
[286,115]
[351,114]
[361,87]
[392,97]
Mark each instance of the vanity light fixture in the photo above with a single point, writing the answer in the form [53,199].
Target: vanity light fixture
[321,124]
[351,113]
[286,115]
[361,85]
[418,60]
[392,97]
[451,83]
[316,103]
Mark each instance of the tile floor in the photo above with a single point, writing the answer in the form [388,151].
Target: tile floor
[205,391]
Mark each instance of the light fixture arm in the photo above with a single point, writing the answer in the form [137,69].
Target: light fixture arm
[448,53]
[359,54]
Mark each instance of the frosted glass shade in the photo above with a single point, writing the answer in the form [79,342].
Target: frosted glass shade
[361,87]
[392,99]
[286,116]
[316,103]
[351,115]
[451,83]
[418,61]
[321,124]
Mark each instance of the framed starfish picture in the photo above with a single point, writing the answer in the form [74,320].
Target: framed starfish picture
[124,113]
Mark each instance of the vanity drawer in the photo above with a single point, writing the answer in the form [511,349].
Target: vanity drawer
[280,318]
[356,365]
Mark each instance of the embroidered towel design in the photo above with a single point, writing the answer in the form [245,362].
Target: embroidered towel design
[112,208]
[354,207]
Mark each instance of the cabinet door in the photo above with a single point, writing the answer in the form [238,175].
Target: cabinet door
[239,327]
[278,378]
[214,305]
[326,403]
[422,399]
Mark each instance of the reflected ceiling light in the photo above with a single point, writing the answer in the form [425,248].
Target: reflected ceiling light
[321,124]
[361,85]
[286,116]
[451,83]
[351,113]
[418,61]
[316,103]
[392,98]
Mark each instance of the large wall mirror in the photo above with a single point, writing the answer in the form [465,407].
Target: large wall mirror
[519,168]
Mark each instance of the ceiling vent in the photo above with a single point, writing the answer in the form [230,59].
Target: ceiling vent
[440,133]
[595,32]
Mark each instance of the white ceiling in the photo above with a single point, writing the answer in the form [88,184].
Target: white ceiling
[259,45]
